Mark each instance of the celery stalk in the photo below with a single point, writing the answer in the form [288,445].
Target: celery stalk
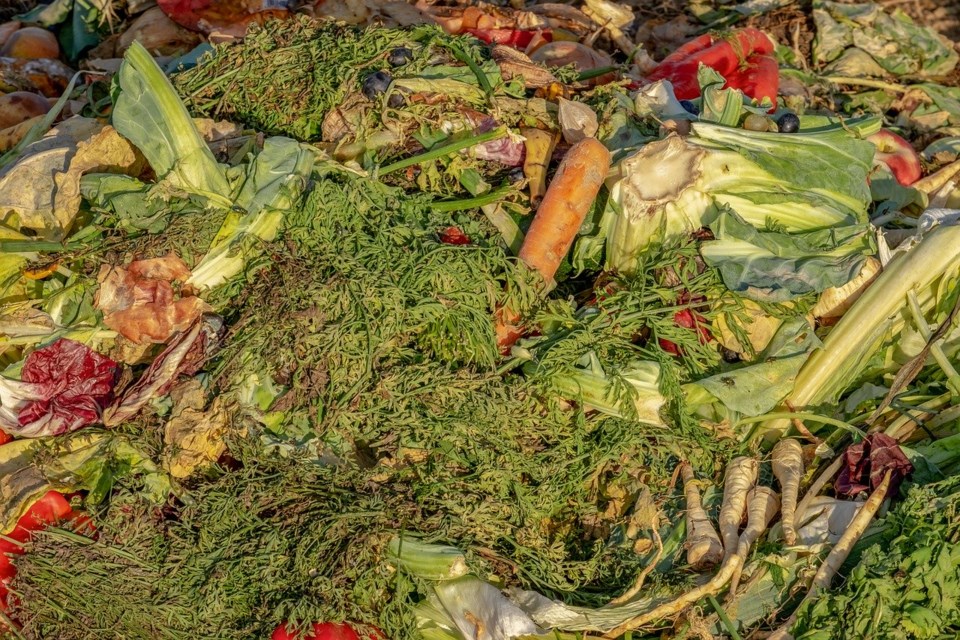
[878,314]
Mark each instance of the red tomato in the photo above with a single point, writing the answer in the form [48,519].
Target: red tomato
[5,437]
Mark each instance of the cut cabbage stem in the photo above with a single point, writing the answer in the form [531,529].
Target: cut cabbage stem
[838,554]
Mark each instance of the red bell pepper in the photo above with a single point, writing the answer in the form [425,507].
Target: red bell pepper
[516,38]
[744,58]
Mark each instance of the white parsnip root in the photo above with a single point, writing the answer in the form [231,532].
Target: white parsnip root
[674,607]
[762,504]
[704,549]
[740,477]
[787,458]
[838,554]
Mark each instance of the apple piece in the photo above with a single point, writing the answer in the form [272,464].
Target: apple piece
[31,43]
[21,106]
[896,153]
[7,29]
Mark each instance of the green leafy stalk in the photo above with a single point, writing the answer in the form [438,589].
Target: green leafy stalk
[149,113]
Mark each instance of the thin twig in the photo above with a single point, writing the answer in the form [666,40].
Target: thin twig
[628,595]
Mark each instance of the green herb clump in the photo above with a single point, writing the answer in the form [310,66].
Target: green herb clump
[286,76]
[906,585]
[361,348]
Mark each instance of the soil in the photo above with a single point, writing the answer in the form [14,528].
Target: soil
[10,8]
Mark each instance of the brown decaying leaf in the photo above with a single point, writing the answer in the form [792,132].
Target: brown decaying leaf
[138,301]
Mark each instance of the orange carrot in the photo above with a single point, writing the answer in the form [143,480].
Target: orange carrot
[559,216]
[564,206]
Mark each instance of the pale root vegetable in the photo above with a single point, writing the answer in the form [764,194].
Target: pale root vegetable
[740,477]
[21,106]
[564,206]
[839,553]
[762,504]
[787,459]
[539,146]
[674,607]
[31,43]
[7,29]
[835,301]
[704,549]
[11,136]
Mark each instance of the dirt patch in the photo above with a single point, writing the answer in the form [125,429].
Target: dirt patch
[942,15]
[10,8]
[792,26]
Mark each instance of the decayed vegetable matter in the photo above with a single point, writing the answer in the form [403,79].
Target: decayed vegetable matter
[486,326]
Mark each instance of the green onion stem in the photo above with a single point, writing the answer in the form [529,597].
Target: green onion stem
[445,150]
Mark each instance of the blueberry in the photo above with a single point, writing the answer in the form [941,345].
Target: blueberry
[788,123]
[399,56]
[395,101]
[689,107]
[376,83]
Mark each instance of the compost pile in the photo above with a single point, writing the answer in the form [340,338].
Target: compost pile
[479,322]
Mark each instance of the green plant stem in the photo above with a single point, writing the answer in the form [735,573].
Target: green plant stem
[595,73]
[866,82]
[490,197]
[724,619]
[444,150]
[953,378]
[787,415]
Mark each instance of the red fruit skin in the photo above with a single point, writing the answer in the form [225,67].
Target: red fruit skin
[759,79]
[744,59]
[516,38]
[898,155]
[454,235]
[687,319]
[324,631]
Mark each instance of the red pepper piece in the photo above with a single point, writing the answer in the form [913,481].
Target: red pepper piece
[5,437]
[759,79]
[742,58]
